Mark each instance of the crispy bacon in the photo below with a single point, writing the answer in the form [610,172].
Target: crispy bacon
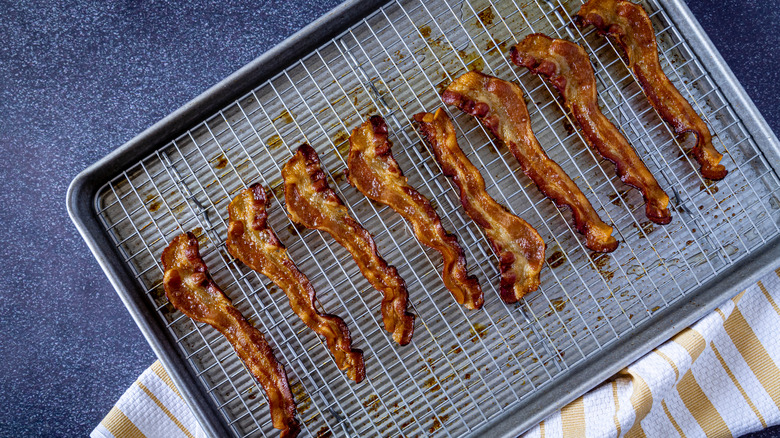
[190,289]
[499,105]
[375,173]
[519,248]
[568,68]
[630,25]
[313,204]
[252,241]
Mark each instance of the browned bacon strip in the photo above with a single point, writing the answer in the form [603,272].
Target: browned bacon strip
[313,204]
[520,249]
[252,241]
[499,105]
[190,289]
[375,173]
[568,67]
[629,24]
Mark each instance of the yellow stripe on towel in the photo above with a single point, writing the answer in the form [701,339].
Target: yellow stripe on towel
[120,426]
[164,409]
[160,371]
[573,419]
[755,355]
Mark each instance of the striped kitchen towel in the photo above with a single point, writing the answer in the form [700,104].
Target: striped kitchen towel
[151,408]
[717,378]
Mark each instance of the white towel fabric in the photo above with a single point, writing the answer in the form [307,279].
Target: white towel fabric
[718,378]
[152,408]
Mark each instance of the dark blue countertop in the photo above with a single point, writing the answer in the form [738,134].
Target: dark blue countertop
[77,80]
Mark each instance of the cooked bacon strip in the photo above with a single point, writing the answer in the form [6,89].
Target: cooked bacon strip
[630,25]
[568,68]
[190,289]
[313,204]
[252,241]
[499,105]
[375,173]
[519,248]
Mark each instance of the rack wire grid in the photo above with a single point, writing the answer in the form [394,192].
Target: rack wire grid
[463,367]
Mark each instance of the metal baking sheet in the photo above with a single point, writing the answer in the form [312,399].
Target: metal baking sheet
[500,369]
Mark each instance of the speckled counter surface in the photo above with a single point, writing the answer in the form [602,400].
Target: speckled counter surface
[78,79]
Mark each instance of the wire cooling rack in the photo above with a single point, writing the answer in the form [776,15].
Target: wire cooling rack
[463,368]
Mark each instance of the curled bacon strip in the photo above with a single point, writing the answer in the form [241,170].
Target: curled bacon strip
[499,105]
[313,204]
[190,289]
[375,173]
[252,241]
[520,249]
[569,70]
[630,25]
